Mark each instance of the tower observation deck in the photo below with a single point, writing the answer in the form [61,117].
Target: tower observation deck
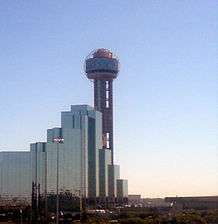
[102,66]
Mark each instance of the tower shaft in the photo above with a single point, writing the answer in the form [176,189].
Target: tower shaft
[103,102]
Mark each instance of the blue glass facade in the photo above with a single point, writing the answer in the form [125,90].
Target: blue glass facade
[122,188]
[113,175]
[15,176]
[104,162]
[77,157]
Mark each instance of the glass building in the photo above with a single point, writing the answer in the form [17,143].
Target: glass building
[80,163]
[113,175]
[122,188]
[78,156]
[104,162]
[15,176]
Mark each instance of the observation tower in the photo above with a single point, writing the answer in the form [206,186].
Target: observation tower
[102,66]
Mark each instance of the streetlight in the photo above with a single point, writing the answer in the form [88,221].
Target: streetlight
[80,201]
[57,141]
[21,216]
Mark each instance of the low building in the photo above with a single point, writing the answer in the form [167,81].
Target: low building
[201,203]
[134,199]
[154,202]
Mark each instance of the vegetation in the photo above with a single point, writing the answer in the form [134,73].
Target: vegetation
[148,216]
[209,217]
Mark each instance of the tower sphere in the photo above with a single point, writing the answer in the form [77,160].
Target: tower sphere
[101,64]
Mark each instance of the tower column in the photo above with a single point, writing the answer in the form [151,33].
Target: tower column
[103,100]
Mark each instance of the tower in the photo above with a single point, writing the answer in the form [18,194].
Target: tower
[102,67]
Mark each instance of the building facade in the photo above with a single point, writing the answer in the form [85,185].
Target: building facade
[198,203]
[122,188]
[76,158]
[15,176]
[81,130]
[38,156]
[113,176]
[104,162]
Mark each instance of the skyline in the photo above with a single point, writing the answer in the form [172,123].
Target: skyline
[163,123]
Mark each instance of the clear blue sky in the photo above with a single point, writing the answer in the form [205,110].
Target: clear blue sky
[165,95]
